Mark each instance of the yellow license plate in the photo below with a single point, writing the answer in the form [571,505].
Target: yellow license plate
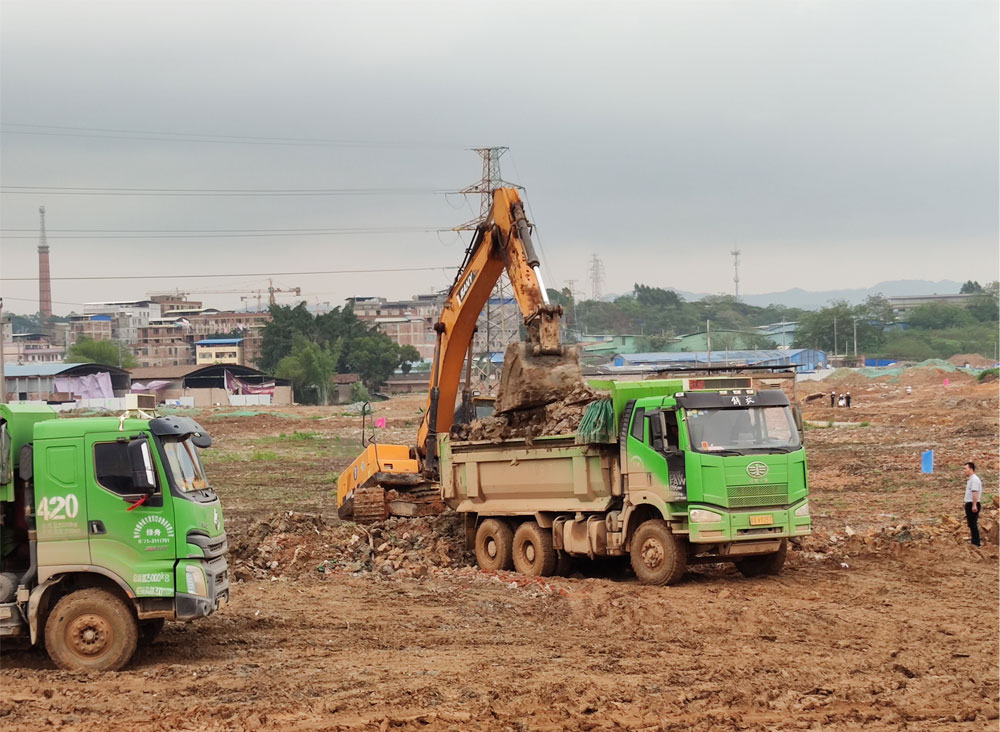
[761,520]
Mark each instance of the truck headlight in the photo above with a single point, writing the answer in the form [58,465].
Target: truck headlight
[701,516]
[195,581]
[802,510]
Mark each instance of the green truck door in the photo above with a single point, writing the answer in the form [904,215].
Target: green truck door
[137,545]
[61,503]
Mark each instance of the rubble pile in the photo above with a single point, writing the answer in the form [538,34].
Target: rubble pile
[887,539]
[294,544]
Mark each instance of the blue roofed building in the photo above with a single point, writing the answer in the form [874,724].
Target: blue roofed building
[805,359]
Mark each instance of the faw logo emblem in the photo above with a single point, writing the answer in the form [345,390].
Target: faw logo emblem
[757,469]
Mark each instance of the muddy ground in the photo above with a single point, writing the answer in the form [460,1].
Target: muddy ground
[885,619]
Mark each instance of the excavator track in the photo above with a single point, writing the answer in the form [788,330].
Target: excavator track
[375,503]
[369,505]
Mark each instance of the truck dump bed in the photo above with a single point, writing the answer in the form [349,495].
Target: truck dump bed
[518,478]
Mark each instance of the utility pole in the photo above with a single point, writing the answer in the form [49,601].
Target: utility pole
[708,336]
[499,323]
[855,336]
[834,335]
[736,271]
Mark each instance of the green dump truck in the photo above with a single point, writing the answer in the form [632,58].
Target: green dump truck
[690,471]
[108,527]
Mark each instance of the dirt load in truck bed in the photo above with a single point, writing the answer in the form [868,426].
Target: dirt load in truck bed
[539,395]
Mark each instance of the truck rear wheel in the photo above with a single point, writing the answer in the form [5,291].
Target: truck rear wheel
[91,630]
[658,555]
[494,545]
[764,563]
[534,554]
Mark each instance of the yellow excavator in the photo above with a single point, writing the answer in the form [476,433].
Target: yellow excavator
[402,479]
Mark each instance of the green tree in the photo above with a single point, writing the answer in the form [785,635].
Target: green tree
[826,328]
[112,353]
[970,287]
[935,316]
[374,358]
[408,355]
[984,305]
[278,335]
[309,367]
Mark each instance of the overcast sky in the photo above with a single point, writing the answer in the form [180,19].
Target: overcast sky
[837,144]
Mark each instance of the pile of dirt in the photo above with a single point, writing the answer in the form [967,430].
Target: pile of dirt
[974,360]
[294,544]
[560,417]
[945,536]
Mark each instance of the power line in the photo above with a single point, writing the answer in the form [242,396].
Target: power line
[209,137]
[35,299]
[205,192]
[235,274]
[227,231]
[330,232]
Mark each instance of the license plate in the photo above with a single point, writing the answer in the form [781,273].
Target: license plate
[761,520]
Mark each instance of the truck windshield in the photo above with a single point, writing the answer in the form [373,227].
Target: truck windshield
[742,431]
[185,465]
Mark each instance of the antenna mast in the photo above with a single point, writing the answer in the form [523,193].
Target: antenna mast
[736,271]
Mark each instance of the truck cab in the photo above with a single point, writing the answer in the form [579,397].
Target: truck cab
[726,468]
[108,528]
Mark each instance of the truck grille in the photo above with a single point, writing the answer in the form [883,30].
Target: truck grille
[761,494]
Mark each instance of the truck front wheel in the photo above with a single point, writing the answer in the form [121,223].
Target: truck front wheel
[534,554]
[764,563]
[494,545]
[91,630]
[658,555]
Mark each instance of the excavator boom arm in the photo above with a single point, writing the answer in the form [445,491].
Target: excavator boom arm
[502,243]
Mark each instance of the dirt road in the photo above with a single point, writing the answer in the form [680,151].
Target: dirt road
[885,620]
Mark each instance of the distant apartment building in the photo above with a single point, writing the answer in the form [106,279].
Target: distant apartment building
[903,304]
[31,348]
[94,327]
[127,316]
[171,340]
[406,322]
[410,330]
[176,301]
[165,342]
[219,350]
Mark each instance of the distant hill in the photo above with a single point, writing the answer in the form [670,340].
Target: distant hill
[799,298]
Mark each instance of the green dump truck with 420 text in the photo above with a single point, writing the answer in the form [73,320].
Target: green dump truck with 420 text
[686,472]
[108,527]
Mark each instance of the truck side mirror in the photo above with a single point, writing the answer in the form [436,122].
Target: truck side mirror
[141,461]
[656,430]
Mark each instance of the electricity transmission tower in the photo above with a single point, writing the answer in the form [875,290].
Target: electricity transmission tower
[596,277]
[736,271]
[500,322]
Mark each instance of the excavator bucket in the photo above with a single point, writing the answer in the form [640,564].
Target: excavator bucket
[529,381]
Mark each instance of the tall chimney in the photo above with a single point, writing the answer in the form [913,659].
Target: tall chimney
[44,280]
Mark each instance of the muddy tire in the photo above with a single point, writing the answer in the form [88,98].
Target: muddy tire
[91,630]
[658,556]
[494,545]
[764,564]
[534,554]
[149,630]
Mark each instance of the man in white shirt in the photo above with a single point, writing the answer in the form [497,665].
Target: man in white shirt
[973,491]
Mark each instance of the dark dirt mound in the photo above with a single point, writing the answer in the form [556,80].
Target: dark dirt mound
[294,544]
